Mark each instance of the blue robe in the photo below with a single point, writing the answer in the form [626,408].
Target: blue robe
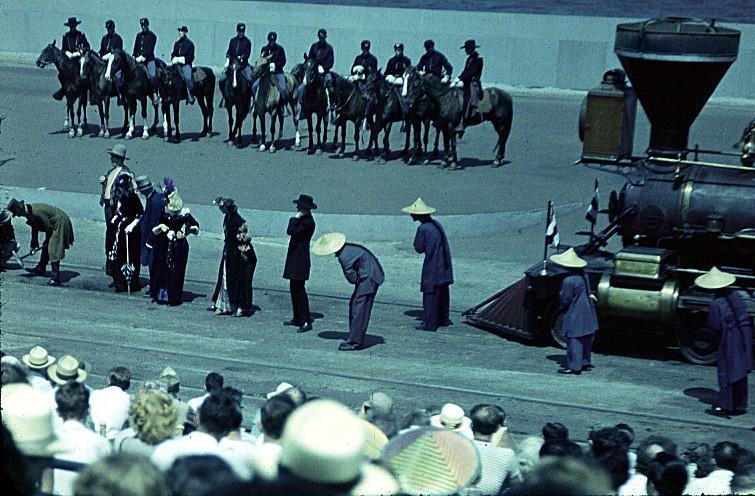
[580,318]
[154,206]
[727,317]
[437,268]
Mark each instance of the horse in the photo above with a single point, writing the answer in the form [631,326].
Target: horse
[74,86]
[173,91]
[267,100]
[137,89]
[387,111]
[495,106]
[314,100]
[237,94]
[348,103]
[102,88]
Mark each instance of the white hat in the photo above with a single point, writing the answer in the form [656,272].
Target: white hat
[715,279]
[280,388]
[451,417]
[328,243]
[569,259]
[67,369]
[37,358]
[419,207]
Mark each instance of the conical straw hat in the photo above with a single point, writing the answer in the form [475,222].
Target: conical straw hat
[419,207]
[569,258]
[715,279]
[328,243]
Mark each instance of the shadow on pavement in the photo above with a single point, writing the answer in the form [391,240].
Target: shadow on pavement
[704,395]
[370,340]
[417,314]
[6,160]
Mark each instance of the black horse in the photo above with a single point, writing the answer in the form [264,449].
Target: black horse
[495,106]
[387,110]
[348,103]
[314,101]
[74,87]
[137,89]
[173,91]
[101,88]
[267,100]
[237,94]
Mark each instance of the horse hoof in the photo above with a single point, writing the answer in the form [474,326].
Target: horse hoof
[145,135]
[262,148]
[272,149]
[129,135]
[355,158]
[382,161]
[319,151]
[107,134]
[66,125]
[166,139]
[340,154]
[101,133]
[496,163]
[231,142]
[426,161]
[203,134]
[79,132]
[71,133]
[297,143]
[310,151]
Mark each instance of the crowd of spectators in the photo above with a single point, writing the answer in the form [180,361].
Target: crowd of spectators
[64,436]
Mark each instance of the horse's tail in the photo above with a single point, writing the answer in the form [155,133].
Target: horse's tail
[210,94]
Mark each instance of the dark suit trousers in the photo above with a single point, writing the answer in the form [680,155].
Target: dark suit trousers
[110,230]
[299,302]
[578,351]
[734,396]
[435,307]
[360,308]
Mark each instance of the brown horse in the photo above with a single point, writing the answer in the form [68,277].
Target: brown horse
[267,100]
[74,86]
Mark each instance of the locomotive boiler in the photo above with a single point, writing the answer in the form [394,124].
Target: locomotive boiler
[677,215]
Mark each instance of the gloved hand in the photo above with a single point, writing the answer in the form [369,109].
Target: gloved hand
[114,220]
[352,77]
[320,69]
[180,235]
[390,79]
[108,56]
[227,63]
[34,246]
[181,59]
[357,69]
[399,81]
[174,60]
[171,235]
[458,83]
[130,227]
[159,228]
[140,58]
[421,73]
[69,54]
[272,66]
[76,54]
[194,230]
[445,79]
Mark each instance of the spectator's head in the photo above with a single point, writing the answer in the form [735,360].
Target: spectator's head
[628,432]
[213,382]
[119,377]
[701,455]
[502,413]
[528,453]
[608,447]
[274,414]
[38,359]
[67,369]
[649,448]
[451,417]
[379,404]
[419,417]
[235,394]
[28,418]
[486,419]
[553,431]
[153,415]
[72,399]
[218,415]
[198,475]
[561,447]
[13,374]
[170,381]
[121,474]
[667,475]
[743,481]
[726,455]
[564,476]
[297,395]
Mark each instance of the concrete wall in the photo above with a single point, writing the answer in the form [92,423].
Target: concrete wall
[519,49]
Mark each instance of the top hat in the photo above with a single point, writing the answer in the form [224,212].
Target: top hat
[67,369]
[305,201]
[37,358]
[322,32]
[569,259]
[143,184]
[365,44]
[328,243]
[175,202]
[419,207]
[169,377]
[16,207]
[144,21]
[398,46]
[715,279]
[470,44]
[184,29]
[118,151]
[5,216]
[241,27]
[272,36]
[429,44]
[72,21]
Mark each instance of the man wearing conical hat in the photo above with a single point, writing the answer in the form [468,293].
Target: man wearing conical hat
[728,318]
[362,269]
[580,320]
[437,270]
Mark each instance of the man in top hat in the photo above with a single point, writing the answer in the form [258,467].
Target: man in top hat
[8,244]
[362,269]
[434,62]
[107,182]
[470,78]
[110,41]
[276,57]
[58,234]
[144,53]
[154,206]
[728,318]
[74,41]
[580,320]
[437,270]
[301,227]
[183,56]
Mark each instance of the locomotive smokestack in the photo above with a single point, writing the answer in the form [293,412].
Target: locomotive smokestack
[674,65]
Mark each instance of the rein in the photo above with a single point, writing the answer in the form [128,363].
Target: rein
[353,92]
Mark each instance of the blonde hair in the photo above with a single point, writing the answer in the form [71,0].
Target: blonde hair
[153,415]
[529,453]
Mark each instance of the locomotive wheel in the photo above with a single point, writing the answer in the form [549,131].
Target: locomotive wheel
[697,343]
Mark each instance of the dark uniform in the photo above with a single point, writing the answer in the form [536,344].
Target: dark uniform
[434,62]
[275,55]
[240,47]
[74,41]
[362,269]
[154,208]
[437,273]
[144,46]
[580,321]
[397,65]
[471,76]
[322,53]
[367,61]
[110,42]
[298,261]
[184,47]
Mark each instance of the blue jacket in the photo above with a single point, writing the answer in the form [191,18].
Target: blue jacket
[276,55]
[361,268]
[369,62]
[144,45]
[154,206]
[437,268]
[435,63]
[323,55]
[727,317]
[110,43]
[580,318]
[239,47]
[184,47]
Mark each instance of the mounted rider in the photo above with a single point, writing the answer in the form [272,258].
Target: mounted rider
[110,41]
[240,47]
[470,78]
[434,62]
[276,57]
[144,53]
[321,52]
[183,56]
[74,41]
[364,64]
[394,72]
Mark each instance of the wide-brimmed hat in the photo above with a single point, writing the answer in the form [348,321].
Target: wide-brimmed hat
[67,369]
[5,216]
[419,207]
[328,243]
[715,279]
[28,417]
[143,184]
[169,377]
[175,202]
[72,21]
[118,151]
[16,207]
[451,417]
[431,461]
[37,358]
[569,259]
[280,388]
[305,201]
[470,44]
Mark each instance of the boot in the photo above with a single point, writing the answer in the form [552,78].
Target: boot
[55,281]
[37,271]
[58,95]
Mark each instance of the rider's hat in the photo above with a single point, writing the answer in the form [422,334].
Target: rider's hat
[272,36]
[144,21]
[429,44]
[398,46]
[241,27]
[184,29]
[322,32]
[110,24]
[72,21]
[470,44]
[366,44]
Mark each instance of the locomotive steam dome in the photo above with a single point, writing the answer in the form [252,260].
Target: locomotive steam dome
[674,65]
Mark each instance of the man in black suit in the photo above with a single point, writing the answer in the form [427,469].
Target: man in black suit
[301,227]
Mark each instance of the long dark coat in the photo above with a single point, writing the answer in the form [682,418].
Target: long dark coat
[580,318]
[154,207]
[239,271]
[170,256]
[361,268]
[127,208]
[727,317]
[437,268]
[55,224]
[297,258]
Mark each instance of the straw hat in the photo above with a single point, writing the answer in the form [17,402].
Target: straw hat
[419,207]
[451,417]
[37,358]
[280,388]
[67,369]
[569,259]
[328,243]
[27,415]
[169,377]
[715,279]
[175,202]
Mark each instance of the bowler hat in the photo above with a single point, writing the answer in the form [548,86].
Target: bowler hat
[305,201]
[118,151]
[715,279]
[143,184]
[569,259]
[16,207]
[328,243]
[5,216]
[184,29]
[37,358]
[66,369]
[144,21]
[419,207]
[72,21]
[470,44]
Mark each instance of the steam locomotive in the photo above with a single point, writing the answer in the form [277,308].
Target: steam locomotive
[677,215]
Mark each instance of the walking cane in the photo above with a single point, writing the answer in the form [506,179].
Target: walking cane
[128,264]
